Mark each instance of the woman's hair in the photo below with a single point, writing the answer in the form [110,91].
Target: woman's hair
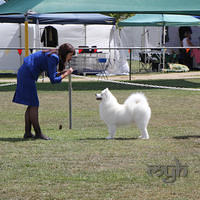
[62,52]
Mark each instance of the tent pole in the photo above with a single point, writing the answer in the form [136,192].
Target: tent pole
[37,34]
[85,34]
[164,47]
[26,35]
[20,42]
[130,50]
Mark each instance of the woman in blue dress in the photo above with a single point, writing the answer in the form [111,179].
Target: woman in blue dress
[28,73]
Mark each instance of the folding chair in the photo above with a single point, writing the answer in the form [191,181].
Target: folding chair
[102,63]
[145,62]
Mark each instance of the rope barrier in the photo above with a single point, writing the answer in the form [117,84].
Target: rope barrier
[123,83]
[140,84]
[7,84]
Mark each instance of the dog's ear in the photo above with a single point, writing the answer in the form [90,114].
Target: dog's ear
[105,90]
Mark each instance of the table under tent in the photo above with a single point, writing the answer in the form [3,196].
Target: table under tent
[84,31]
[153,28]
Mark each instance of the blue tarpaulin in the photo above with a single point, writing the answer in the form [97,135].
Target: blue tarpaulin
[59,19]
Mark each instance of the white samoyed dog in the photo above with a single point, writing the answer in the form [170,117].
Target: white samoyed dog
[135,109]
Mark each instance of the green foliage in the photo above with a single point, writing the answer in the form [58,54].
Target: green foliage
[120,16]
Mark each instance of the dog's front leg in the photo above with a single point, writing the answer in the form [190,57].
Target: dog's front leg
[111,130]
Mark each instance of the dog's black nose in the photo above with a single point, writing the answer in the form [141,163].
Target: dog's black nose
[98,97]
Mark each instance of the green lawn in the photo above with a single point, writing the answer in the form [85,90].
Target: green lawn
[81,164]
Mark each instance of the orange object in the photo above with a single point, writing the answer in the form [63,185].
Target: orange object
[187,50]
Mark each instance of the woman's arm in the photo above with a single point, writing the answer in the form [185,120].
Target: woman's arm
[53,75]
[189,42]
[61,72]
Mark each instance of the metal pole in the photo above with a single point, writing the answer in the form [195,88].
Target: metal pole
[70,99]
[105,48]
[37,34]
[20,43]
[26,36]
[130,50]
[164,30]
[85,32]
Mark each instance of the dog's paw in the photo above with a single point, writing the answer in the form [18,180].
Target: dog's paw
[144,138]
[109,138]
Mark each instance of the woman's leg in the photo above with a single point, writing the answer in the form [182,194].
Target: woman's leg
[33,114]
[28,133]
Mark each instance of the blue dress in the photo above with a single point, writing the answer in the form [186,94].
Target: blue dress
[28,73]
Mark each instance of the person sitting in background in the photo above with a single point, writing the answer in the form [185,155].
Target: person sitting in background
[187,40]
[192,52]
[187,58]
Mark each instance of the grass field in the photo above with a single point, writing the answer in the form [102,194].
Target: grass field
[80,164]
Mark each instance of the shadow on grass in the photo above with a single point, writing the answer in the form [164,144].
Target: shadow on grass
[8,75]
[92,85]
[14,140]
[108,139]
[186,137]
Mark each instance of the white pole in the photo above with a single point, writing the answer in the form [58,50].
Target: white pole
[37,33]
[85,32]
[164,29]
[20,43]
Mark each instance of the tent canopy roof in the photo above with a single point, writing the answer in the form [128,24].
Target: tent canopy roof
[96,6]
[59,19]
[160,20]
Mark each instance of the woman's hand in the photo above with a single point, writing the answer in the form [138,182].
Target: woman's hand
[66,72]
[70,70]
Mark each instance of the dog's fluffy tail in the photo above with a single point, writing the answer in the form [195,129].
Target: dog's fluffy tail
[136,98]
